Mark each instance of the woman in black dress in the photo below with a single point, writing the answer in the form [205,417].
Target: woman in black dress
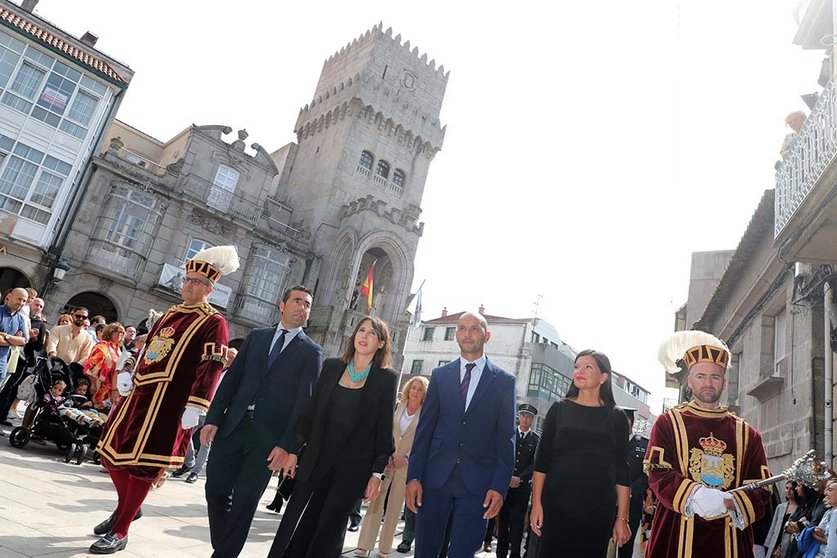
[581,487]
[346,435]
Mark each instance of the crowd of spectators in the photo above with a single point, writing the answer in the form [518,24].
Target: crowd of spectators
[94,350]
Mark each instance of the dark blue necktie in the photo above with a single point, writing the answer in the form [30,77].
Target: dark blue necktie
[277,348]
[466,381]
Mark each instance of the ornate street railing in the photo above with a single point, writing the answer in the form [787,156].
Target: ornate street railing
[810,154]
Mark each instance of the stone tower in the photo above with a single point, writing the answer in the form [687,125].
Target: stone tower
[356,179]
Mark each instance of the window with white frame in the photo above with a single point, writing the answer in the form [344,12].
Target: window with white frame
[779,337]
[35,83]
[131,217]
[398,177]
[366,159]
[266,274]
[223,186]
[30,180]
[416,367]
[195,246]
[382,169]
[226,178]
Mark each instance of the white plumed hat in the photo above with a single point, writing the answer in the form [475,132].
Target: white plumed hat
[692,347]
[214,262]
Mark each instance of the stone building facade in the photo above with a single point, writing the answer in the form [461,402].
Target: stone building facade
[58,95]
[319,211]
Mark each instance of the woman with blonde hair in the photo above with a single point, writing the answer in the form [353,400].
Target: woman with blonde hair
[404,423]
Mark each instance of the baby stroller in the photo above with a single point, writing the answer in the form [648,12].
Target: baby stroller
[43,418]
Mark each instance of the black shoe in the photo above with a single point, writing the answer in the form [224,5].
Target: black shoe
[6,423]
[106,525]
[404,547]
[354,525]
[275,506]
[192,478]
[177,473]
[109,544]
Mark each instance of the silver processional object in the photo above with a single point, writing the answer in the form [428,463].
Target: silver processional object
[808,469]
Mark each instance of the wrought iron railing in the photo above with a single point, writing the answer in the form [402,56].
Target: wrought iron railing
[256,310]
[221,200]
[114,258]
[810,154]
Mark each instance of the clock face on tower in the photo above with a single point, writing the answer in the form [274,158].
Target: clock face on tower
[408,79]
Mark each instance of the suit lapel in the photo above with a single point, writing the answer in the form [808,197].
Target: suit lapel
[486,379]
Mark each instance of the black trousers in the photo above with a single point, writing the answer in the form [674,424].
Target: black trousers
[236,477]
[512,519]
[314,524]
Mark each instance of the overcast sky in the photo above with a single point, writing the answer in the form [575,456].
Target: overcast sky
[591,146]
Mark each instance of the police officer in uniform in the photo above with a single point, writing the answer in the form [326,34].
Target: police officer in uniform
[637,446]
[513,512]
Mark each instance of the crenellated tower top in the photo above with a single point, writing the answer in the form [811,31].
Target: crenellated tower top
[386,76]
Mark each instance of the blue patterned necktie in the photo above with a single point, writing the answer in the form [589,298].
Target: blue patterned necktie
[466,382]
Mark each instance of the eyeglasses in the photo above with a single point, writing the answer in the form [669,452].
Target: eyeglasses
[194,281]
[80,316]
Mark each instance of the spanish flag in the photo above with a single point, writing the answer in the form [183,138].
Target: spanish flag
[368,286]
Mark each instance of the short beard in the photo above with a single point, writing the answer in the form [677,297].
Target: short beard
[714,399]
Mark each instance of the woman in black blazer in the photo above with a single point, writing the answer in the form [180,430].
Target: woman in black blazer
[345,440]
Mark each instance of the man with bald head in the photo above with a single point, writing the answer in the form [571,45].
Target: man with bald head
[13,330]
[463,454]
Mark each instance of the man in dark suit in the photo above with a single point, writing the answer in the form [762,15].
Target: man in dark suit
[513,513]
[253,417]
[463,455]
[637,446]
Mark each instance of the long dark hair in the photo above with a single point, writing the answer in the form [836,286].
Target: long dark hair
[606,390]
[383,355]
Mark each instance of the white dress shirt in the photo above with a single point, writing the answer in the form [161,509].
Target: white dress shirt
[476,374]
[288,336]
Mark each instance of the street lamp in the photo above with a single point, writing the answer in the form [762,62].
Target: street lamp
[58,272]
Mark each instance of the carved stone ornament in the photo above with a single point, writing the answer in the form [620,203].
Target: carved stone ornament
[210,225]
[176,166]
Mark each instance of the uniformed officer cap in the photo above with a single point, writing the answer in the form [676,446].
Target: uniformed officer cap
[527,408]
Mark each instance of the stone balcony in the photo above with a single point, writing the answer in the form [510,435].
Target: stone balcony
[220,201]
[805,223]
[115,260]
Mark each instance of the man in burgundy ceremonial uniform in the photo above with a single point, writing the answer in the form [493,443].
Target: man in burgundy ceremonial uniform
[698,453]
[148,431]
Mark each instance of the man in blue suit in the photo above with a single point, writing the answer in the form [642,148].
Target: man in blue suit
[463,454]
[252,419]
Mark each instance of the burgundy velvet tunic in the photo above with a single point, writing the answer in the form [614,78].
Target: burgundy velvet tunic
[691,447]
[184,355]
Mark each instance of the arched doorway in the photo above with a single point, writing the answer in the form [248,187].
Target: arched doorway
[96,304]
[11,278]
[382,277]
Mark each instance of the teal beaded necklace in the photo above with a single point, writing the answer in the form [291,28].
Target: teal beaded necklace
[358,376]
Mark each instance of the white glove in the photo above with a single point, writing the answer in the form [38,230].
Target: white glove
[190,418]
[708,503]
[124,383]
